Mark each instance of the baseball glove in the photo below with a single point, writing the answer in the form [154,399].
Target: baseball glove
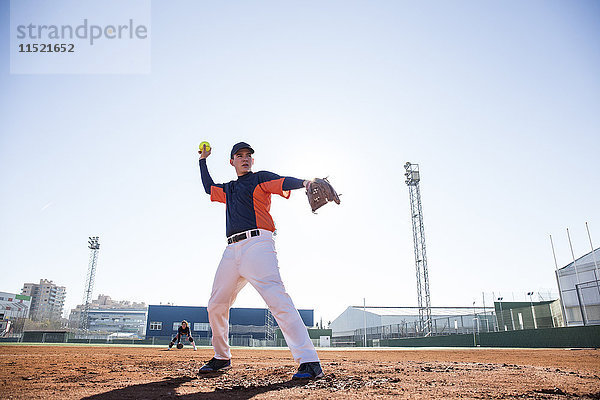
[320,192]
[180,345]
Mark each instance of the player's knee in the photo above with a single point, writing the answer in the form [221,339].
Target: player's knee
[277,296]
[211,308]
[283,312]
[191,339]
[216,308]
[281,309]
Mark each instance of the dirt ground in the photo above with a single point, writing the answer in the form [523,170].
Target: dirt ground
[106,372]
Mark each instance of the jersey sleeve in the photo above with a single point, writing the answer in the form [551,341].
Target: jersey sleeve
[290,183]
[217,193]
[272,183]
[215,190]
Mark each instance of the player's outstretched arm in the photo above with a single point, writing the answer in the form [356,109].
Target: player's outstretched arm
[290,183]
[281,185]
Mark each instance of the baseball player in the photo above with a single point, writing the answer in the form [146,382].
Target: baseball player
[183,330]
[250,256]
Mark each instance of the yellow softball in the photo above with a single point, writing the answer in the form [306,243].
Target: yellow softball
[207,146]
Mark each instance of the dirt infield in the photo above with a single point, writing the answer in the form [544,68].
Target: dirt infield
[72,372]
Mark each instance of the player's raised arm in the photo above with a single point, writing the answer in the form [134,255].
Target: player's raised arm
[207,181]
[210,187]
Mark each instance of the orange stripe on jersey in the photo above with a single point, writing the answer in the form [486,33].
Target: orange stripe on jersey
[276,187]
[262,202]
[262,206]
[217,194]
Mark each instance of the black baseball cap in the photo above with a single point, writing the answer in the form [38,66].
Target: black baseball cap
[241,145]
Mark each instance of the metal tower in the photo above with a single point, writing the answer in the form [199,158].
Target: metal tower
[269,326]
[424,303]
[94,245]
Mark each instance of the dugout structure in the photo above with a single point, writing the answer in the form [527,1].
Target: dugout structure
[43,336]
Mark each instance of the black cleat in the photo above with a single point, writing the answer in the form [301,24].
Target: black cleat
[309,370]
[215,365]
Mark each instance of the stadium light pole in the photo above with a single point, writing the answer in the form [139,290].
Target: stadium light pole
[94,246]
[413,178]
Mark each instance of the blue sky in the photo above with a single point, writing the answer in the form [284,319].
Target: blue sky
[497,101]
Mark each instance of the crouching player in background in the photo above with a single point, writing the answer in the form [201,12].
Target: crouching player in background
[183,330]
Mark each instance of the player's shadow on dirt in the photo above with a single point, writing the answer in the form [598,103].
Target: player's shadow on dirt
[166,389]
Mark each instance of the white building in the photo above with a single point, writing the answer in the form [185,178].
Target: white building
[14,308]
[579,287]
[47,300]
[107,316]
[130,321]
[389,322]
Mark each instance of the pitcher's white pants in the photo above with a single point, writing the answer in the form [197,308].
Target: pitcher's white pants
[254,260]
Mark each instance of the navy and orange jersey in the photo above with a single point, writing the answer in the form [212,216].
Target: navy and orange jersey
[248,199]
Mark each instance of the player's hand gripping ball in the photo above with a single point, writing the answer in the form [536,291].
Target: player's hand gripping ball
[204,144]
[180,346]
